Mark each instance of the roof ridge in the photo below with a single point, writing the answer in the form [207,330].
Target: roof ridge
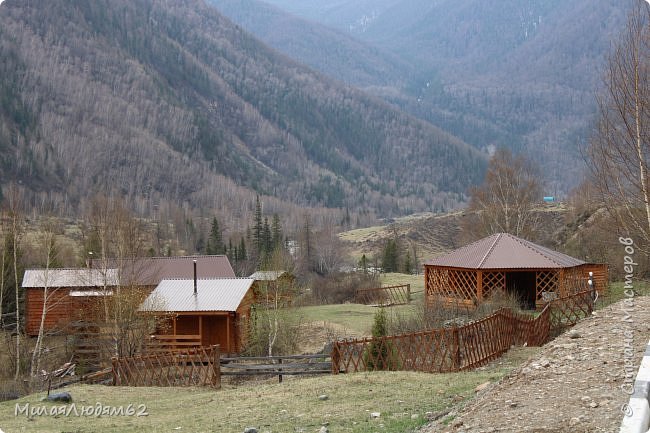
[489,251]
[159,257]
[539,249]
[204,278]
[68,269]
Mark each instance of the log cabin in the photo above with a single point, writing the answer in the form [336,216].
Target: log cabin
[73,293]
[202,312]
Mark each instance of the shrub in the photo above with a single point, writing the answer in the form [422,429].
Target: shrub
[381,354]
[342,287]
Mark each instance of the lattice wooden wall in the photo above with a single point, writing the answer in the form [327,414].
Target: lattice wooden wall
[463,284]
[547,285]
[437,282]
[493,282]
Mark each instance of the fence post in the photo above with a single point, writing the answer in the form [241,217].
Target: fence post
[116,379]
[335,357]
[216,367]
[456,349]
[280,371]
[408,293]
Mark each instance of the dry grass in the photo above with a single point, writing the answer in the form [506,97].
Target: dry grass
[402,398]
[365,234]
[355,320]
[396,279]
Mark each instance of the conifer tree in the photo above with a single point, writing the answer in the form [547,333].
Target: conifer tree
[266,238]
[241,252]
[276,233]
[258,227]
[215,240]
[390,257]
[408,265]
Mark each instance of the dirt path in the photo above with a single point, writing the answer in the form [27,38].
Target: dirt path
[572,385]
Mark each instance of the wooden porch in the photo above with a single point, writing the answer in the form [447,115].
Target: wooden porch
[191,330]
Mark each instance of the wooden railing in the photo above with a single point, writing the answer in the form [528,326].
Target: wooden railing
[166,343]
[191,367]
[390,295]
[460,348]
[277,365]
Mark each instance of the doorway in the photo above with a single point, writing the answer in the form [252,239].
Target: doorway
[522,285]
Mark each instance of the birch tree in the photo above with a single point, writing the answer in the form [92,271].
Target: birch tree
[275,327]
[122,242]
[619,152]
[3,259]
[16,232]
[47,243]
[505,202]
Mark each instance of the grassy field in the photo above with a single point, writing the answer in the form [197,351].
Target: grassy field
[402,399]
[616,292]
[355,320]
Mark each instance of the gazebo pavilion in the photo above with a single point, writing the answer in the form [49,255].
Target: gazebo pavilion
[505,262]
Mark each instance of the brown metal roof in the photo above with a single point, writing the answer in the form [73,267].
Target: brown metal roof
[505,251]
[150,271]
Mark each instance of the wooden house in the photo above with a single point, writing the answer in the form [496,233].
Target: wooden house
[202,312]
[503,262]
[268,283]
[74,293]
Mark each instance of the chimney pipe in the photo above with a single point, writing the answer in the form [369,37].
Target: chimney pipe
[195,290]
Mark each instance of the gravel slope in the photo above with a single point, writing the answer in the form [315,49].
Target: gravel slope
[573,385]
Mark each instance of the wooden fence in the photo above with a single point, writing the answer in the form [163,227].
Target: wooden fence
[566,312]
[92,346]
[191,367]
[460,348]
[277,365]
[390,295]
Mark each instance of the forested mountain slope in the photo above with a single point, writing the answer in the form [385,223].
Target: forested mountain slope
[330,51]
[520,74]
[169,101]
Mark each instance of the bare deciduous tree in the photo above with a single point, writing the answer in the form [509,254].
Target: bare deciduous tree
[121,240]
[47,243]
[16,227]
[506,200]
[275,328]
[620,148]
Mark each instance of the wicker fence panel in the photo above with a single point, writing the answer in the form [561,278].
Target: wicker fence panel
[569,310]
[484,340]
[192,367]
[390,295]
[460,348]
[531,331]
[431,351]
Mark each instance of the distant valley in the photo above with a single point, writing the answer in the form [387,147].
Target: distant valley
[499,73]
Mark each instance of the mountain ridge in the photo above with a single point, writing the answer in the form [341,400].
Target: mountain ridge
[519,74]
[166,101]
